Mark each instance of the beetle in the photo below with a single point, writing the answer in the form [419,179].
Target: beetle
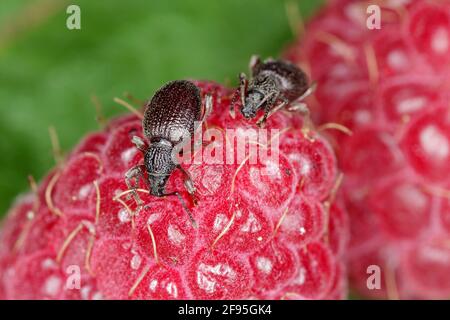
[273,85]
[170,120]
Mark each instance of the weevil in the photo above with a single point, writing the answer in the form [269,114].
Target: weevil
[273,85]
[170,119]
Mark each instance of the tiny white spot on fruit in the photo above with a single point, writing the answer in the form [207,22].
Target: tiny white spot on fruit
[52,286]
[440,41]
[434,142]
[314,264]
[411,105]
[355,12]
[305,166]
[362,116]
[252,225]
[301,277]
[264,264]
[84,191]
[153,285]
[174,235]
[435,255]
[220,222]
[339,71]
[135,262]
[152,218]
[212,178]
[97,296]
[294,223]
[397,60]
[126,245]
[128,154]
[30,215]
[123,216]
[48,264]
[412,197]
[85,291]
[397,3]
[273,170]
[255,177]
[294,157]
[172,289]
[206,275]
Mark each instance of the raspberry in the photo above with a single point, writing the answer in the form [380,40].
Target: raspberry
[270,229]
[389,86]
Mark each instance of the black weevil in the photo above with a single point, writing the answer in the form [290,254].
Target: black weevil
[273,85]
[170,119]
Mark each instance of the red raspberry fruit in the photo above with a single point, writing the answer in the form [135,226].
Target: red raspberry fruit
[265,230]
[390,87]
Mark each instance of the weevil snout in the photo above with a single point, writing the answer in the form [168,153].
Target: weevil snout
[157,184]
[252,104]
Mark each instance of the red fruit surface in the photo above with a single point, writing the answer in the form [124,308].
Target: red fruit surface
[269,229]
[390,87]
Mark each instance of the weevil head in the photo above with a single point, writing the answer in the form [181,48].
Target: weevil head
[159,165]
[252,103]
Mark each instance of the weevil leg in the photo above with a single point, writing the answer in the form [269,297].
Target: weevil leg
[312,88]
[269,113]
[135,173]
[278,107]
[177,194]
[189,184]
[299,107]
[243,87]
[302,108]
[241,92]
[255,62]
[269,102]
[234,99]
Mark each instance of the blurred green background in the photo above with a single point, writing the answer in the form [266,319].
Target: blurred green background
[48,73]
